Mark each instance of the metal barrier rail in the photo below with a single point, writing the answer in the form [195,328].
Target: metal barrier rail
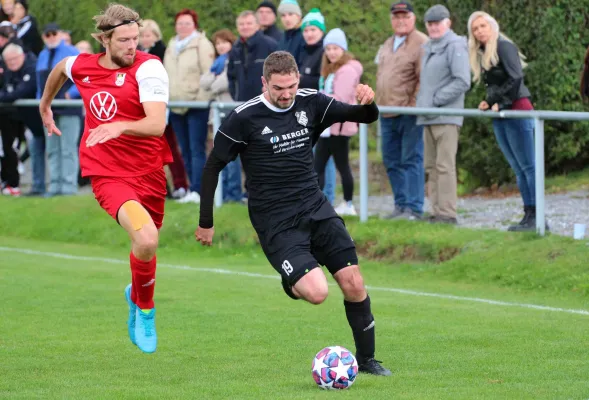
[538,116]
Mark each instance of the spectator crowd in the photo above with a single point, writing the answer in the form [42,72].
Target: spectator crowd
[432,69]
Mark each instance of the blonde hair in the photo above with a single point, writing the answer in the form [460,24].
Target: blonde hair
[487,58]
[327,67]
[114,14]
[150,24]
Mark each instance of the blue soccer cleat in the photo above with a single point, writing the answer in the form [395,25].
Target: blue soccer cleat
[145,336]
[132,314]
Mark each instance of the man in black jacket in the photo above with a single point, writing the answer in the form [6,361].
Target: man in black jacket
[246,59]
[266,14]
[19,83]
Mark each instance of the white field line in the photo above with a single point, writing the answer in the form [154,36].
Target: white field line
[255,275]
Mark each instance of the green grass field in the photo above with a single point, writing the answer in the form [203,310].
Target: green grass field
[456,312]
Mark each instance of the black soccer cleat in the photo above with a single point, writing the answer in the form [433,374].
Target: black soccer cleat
[372,366]
[288,290]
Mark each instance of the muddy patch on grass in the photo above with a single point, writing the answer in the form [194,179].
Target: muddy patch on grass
[406,253]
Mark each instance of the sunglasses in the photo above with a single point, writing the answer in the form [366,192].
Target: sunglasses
[52,33]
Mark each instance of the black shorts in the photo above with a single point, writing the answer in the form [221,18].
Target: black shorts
[295,251]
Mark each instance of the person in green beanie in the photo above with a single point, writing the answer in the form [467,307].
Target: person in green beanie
[313,28]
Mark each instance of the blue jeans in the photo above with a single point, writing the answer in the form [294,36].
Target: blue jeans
[329,188]
[516,140]
[37,150]
[62,155]
[232,181]
[402,155]
[191,131]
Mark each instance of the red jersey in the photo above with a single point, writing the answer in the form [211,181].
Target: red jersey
[112,95]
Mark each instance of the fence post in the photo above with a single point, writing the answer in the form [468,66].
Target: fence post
[378,136]
[363,172]
[216,125]
[539,159]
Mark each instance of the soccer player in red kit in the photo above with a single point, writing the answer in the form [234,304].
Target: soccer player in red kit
[125,94]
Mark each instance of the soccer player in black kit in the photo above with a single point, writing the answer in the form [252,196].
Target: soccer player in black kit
[297,227]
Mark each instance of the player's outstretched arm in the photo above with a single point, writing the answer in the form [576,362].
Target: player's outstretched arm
[364,113]
[208,186]
[55,81]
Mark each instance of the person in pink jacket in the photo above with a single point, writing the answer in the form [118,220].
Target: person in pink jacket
[340,74]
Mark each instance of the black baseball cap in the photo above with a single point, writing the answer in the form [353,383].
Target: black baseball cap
[401,6]
[51,27]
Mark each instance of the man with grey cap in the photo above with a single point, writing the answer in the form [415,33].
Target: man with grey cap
[397,83]
[445,78]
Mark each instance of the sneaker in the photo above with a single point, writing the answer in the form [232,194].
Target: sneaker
[528,224]
[372,366]
[346,209]
[438,219]
[409,215]
[191,197]
[179,193]
[11,191]
[132,314]
[145,336]
[34,194]
[395,214]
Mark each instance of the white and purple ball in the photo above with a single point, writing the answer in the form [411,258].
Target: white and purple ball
[335,367]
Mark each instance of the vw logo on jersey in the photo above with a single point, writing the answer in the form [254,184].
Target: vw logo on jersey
[274,139]
[103,106]
[302,118]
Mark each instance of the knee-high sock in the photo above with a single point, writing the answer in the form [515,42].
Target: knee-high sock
[143,283]
[362,323]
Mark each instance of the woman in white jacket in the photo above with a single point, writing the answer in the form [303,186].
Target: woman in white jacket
[188,56]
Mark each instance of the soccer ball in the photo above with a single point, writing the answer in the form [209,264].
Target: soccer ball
[335,367]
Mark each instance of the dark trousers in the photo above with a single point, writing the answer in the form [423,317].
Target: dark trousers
[339,148]
[10,130]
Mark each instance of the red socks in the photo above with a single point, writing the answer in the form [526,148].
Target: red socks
[143,283]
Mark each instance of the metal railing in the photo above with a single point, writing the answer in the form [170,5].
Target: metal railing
[538,116]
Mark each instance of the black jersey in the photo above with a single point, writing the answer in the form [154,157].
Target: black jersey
[275,146]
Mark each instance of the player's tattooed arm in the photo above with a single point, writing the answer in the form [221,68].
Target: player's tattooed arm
[55,81]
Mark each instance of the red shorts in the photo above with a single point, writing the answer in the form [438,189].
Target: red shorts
[148,190]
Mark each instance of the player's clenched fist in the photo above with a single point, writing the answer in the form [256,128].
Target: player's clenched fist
[205,236]
[364,94]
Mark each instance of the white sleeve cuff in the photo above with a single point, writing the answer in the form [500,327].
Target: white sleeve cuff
[153,82]
[68,66]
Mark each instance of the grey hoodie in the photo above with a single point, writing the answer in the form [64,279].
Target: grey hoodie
[444,78]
